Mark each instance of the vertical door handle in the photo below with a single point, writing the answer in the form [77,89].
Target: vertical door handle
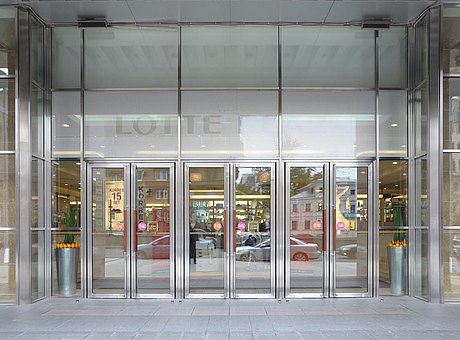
[135,231]
[324,230]
[225,230]
[125,236]
[234,230]
[334,229]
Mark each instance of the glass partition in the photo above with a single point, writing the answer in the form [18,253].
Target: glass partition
[7,115]
[135,124]
[328,124]
[37,121]
[393,58]
[65,124]
[451,116]
[451,190]
[327,57]
[421,120]
[131,58]
[451,255]
[229,57]
[66,57]
[393,123]
[37,66]
[218,124]
[8,40]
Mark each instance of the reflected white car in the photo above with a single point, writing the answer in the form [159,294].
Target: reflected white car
[160,248]
[300,251]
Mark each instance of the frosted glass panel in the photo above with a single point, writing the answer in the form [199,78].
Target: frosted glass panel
[393,123]
[66,57]
[66,124]
[229,124]
[328,124]
[135,124]
[393,58]
[222,57]
[327,57]
[131,58]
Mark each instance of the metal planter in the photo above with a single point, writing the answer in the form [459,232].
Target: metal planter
[397,260]
[67,270]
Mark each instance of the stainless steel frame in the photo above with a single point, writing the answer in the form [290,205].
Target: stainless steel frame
[130,255]
[329,256]
[229,204]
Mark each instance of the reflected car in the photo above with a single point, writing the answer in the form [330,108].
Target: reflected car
[350,250]
[160,248]
[300,251]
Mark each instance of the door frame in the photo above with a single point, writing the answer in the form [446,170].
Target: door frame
[328,254]
[130,254]
[229,272]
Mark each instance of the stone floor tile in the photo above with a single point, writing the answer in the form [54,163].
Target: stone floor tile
[241,336]
[211,335]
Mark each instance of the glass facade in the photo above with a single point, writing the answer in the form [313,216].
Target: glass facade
[235,122]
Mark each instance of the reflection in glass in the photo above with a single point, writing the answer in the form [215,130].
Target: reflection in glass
[451,255]
[8,51]
[37,122]
[393,57]
[8,266]
[393,209]
[451,46]
[65,124]
[37,67]
[229,124]
[66,57]
[206,231]
[37,191]
[421,120]
[135,124]
[351,228]
[153,230]
[327,57]
[7,115]
[393,123]
[421,51]
[253,228]
[306,229]
[229,57]
[451,116]
[38,264]
[451,189]
[108,228]
[421,192]
[131,57]
[328,123]
[421,263]
[7,192]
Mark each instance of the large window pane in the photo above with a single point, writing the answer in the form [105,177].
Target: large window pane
[7,266]
[421,52]
[451,114]
[393,123]
[451,46]
[131,58]
[36,121]
[328,123]
[451,255]
[66,57]
[135,124]
[36,53]
[229,124]
[421,263]
[7,115]
[393,58]
[7,192]
[327,57]
[38,264]
[451,190]
[421,120]
[37,190]
[7,41]
[393,193]
[229,57]
[65,124]
[421,192]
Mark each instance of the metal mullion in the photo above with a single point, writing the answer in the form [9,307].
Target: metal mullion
[331,280]
[287,229]
[229,215]
[231,197]
[373,259]
[132,230]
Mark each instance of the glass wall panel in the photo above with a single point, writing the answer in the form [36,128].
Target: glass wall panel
[7,266]
[37,72]
[328,124]
[65,124]
[421,120]
[421,263]
[421,192]
[131,58]
[393,208]
[37,123]
[393,123]
[7,115]
[421,52]
[451,46]
[451,114]
[388,239]
[7,40]
[229,124]
[451,255]
[38,264]
[65,200]
[66,57]
[327,57]
[229,57]
[393,58]
[7,192]
[135,124]
[37,188]
[451,189]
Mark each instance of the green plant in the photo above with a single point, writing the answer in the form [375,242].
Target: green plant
[70,222]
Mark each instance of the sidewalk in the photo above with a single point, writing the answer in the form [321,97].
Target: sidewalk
[380,318]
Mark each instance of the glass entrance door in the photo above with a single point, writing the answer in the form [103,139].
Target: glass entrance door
[131,230]
[328,223]
[228,230]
